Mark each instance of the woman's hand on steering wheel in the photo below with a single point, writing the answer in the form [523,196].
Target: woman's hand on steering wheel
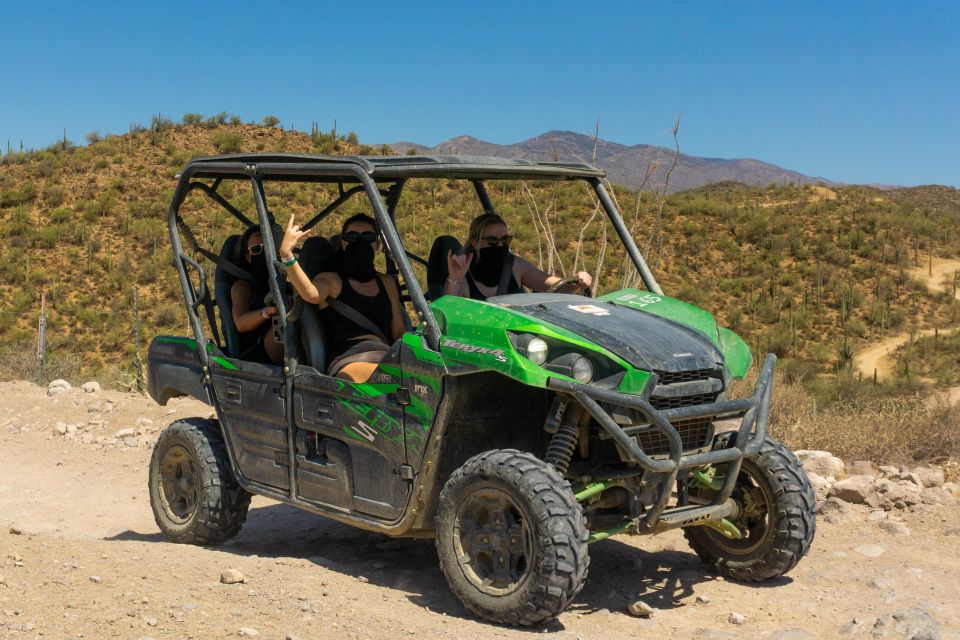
[582,279]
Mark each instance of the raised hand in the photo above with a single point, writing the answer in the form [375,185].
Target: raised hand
[291,236]
[457,265]
[584,280]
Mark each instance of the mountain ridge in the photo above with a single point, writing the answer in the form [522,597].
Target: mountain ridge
[630,165]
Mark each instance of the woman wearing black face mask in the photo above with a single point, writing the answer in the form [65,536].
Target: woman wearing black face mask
[354,349]
[250,314]
[478,272]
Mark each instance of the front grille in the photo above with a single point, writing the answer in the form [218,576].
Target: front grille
[672,377]
[694,434]
[682,401]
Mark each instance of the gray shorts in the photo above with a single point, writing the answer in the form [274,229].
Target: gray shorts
[363,351]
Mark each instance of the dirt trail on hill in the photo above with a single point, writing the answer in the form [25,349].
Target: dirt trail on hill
[80,556]
[943,275]
[877,355]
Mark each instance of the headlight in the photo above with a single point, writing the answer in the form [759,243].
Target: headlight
[573,365]
[537,350]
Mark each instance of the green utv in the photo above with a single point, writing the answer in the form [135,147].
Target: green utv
[515,431]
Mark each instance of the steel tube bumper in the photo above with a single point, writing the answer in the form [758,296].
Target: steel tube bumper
[753,411]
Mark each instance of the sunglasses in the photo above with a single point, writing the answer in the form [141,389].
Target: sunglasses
[360,236]
[494,241]
[255,249]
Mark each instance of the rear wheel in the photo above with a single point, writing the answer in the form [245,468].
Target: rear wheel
[776,516]
[194,496]
[511,538]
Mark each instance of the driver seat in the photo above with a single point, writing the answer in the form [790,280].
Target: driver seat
[316,256]
[437,264]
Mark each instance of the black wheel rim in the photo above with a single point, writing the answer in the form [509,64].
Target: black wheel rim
[178,483]
[755,502]
[493,541]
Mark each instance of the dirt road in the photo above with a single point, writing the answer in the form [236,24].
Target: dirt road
[944,271]
[877,355]
[80,557]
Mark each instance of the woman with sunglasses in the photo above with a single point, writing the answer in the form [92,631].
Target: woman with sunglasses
[250,314]
[355,346]
[478,272]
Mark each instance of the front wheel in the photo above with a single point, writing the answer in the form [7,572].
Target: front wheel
[194,496]
[776,516]
[511,538]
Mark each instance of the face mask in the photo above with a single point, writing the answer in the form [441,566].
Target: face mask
[488,263]
[356,261]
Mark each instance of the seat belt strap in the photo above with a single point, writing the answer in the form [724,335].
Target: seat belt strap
[356,317]
[505,274]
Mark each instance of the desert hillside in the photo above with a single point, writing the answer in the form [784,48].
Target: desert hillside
[813,273]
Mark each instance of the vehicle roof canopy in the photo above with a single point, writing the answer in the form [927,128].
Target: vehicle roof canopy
[321,168]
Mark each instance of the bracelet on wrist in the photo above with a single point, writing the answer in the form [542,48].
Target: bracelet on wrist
[288,262]
[453,281]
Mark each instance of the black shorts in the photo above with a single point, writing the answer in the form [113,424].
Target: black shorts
[253,348]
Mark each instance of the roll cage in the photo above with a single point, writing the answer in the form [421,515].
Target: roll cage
[382,179]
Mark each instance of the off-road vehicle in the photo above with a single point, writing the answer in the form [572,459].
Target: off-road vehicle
[515,431]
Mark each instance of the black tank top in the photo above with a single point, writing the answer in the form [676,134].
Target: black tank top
[341,331]
[512,287]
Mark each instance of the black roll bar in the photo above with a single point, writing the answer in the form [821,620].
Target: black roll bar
[481,190]
[628,242]
[223,202]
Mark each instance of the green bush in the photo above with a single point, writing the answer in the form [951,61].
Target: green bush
[270,121]
[52,194]
[228,142]
[160,122]
[27,192]
[192,118]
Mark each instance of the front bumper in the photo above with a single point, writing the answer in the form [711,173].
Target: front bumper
[753,411]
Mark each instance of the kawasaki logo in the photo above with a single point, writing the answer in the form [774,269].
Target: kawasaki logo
[472,348]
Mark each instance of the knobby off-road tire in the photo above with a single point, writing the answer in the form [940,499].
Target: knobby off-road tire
[511,538]
[775,544]
[194,496]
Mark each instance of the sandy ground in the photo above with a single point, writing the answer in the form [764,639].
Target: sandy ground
[80,557]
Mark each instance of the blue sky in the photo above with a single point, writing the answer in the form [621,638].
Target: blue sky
[852,91]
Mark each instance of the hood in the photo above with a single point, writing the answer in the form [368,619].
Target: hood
[650,332]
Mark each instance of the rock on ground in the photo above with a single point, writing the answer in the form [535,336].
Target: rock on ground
[856,489]
[58,386]
[232,576]
[641,609]
[822,463]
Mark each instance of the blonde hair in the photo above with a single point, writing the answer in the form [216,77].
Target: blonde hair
[477,226]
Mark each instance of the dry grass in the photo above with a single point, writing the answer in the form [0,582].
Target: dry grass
[885,430]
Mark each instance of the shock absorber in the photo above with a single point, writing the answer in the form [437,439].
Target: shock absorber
[564,441]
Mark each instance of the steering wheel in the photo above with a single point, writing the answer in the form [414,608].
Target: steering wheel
[556,286]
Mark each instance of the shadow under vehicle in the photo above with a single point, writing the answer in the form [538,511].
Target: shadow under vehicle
[515,431]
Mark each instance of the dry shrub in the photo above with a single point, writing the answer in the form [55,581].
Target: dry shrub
[901,429]
[19,362]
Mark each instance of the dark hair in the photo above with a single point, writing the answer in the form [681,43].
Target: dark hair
[240,249]
[477,226]
[358,217]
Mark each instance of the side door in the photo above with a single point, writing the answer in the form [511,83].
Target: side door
[350,441]
[250,397]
